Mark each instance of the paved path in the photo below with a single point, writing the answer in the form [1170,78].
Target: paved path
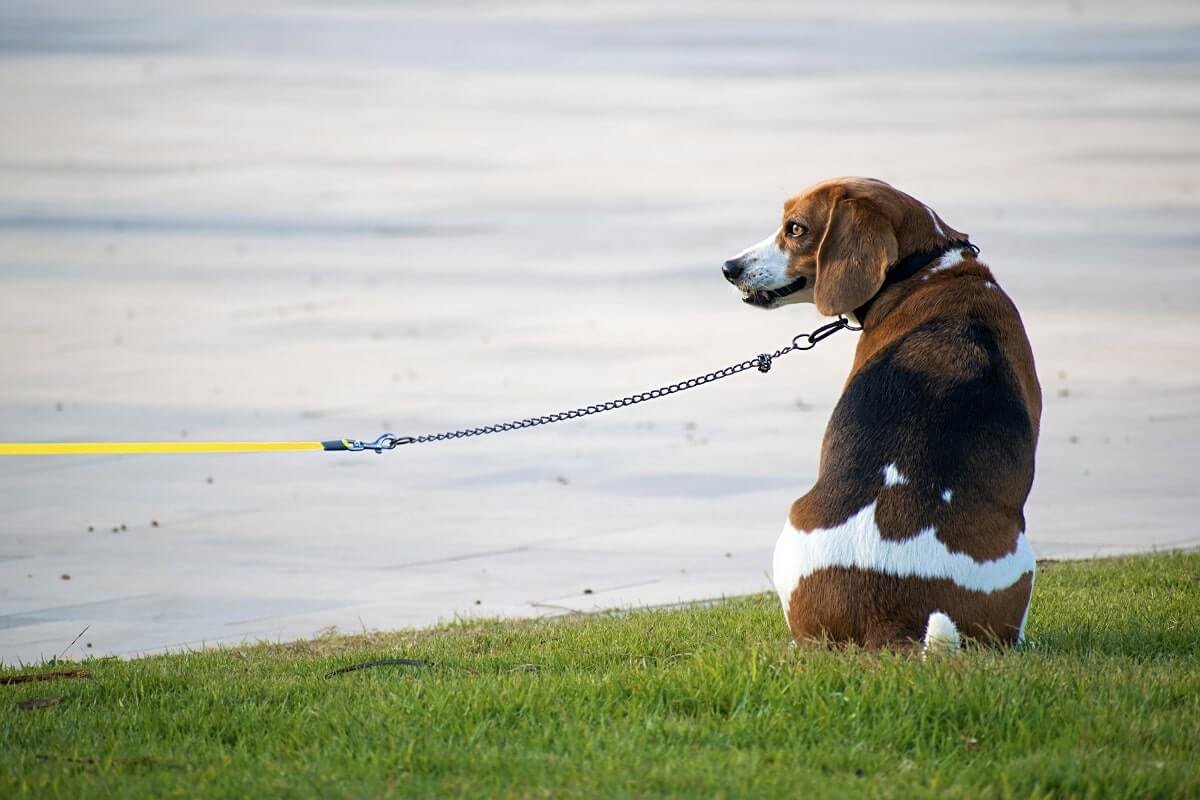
[316,220]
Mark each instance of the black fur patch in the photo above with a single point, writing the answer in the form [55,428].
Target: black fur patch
[971,434]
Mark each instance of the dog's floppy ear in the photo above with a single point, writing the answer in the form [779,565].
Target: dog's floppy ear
[853,258]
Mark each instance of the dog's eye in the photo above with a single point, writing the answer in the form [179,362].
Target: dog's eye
[796,230]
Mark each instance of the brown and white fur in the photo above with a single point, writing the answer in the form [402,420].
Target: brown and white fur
[915,527]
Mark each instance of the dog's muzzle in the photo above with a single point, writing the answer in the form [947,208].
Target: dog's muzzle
[766,297]
[763,298]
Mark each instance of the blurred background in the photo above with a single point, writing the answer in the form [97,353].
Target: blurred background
[315,220]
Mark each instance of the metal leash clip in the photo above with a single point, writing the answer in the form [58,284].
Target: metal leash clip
[807,341]
[386,441]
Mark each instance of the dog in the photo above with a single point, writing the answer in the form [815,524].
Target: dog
[914,530]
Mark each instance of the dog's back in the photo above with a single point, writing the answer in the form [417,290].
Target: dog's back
[925,468]
[915,526]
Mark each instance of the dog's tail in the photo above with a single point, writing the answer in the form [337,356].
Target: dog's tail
[941,635]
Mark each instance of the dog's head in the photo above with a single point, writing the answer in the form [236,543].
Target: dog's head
[835,245]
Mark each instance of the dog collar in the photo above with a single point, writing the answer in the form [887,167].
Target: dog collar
[910,265]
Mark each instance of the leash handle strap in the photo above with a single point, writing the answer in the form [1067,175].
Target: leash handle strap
[152,448]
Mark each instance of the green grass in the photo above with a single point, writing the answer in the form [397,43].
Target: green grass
[705,701]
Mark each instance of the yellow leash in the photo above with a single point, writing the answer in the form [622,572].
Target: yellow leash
[387,441]
[130,448]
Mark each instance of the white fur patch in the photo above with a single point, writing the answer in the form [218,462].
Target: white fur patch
[858,543]
[937,226]
[946,495]
[893,476]
[766,264]
[941,634]
[948,260]
[765,267]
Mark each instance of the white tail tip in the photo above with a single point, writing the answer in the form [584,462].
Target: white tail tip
[941,634]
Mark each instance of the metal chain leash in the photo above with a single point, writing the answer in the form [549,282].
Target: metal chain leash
[762,362]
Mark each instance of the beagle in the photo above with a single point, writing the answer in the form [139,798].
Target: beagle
[915,527]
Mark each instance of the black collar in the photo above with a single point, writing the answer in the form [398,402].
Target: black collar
[910,265]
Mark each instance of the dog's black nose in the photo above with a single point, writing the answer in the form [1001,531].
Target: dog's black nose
[733,269]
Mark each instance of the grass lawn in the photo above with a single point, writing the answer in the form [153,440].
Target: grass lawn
[707,701]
